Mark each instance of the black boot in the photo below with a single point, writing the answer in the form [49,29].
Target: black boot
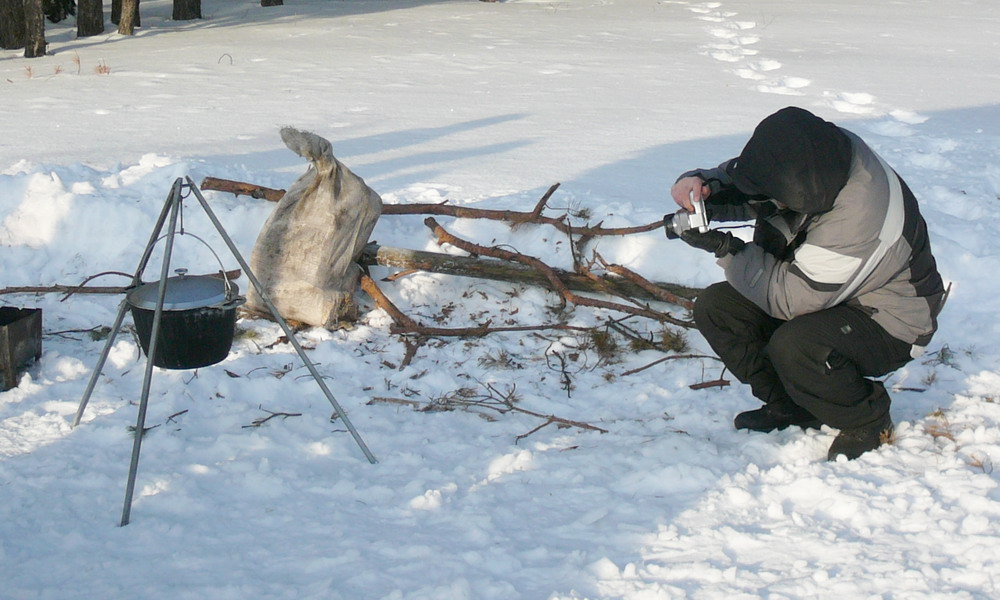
[852,443]
[776,416]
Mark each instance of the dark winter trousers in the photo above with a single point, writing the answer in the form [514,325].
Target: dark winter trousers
[819,361]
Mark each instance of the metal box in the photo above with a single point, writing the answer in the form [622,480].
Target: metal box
[20,342]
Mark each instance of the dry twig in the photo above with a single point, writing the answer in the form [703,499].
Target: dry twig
[491,398]
[261,420]
[666,358]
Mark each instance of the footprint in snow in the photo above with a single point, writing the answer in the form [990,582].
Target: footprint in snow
[900,125]
[730,53]
[705,7]
[705,14]
[755,71]
[731,31]
[907,116]
[891,128]
[786,86]
[855,103]
[733,39]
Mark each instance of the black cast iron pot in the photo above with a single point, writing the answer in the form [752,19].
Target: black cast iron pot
[198,322]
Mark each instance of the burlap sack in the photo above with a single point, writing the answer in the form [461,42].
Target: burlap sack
[305,254]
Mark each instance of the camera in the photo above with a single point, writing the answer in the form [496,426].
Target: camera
[682,220]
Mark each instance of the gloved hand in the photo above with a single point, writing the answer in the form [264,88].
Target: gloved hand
[717,242]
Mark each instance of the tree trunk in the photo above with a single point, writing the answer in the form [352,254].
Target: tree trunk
[34,29]
[187,10]
[129,17]
[272,2]
[11,24]
[89,17]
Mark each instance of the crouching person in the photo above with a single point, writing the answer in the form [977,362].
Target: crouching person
[838,285]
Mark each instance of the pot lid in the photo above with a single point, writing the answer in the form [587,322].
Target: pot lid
[183,292]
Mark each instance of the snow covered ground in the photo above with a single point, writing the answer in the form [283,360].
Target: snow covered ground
[486,105]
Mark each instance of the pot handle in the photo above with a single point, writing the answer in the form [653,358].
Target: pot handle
[222,269]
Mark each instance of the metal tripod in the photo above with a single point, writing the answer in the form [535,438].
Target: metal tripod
[171,209]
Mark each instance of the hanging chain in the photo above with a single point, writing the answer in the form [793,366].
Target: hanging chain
[185,192]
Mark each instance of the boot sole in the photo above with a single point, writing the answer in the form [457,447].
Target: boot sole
[814,424]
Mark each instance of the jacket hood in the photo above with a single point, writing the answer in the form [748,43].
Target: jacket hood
[795,158]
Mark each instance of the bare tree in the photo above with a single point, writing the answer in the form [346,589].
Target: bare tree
[89,18]
[11,24]
[129,17]
[34,29]
[116,13]
[186,10]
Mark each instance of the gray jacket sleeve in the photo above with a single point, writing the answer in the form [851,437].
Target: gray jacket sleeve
[780,287]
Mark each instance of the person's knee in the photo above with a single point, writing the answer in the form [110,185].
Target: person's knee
[792,348]
[710,302]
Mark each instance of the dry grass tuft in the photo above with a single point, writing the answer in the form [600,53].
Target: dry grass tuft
[983,463]
[941,430]
[604,343]
[887,437]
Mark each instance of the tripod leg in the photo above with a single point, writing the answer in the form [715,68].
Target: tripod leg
[100,362]
[140,424]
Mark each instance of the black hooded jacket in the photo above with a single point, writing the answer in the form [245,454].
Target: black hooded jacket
[834,224]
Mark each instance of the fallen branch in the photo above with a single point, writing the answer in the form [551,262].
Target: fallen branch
[63,289]
[411,350]
[398,401]
[709,384]
[170,419]
[566,295]
[93,277]
[398,317]
[240,188]
[513,217]
[69,290]
[628,284]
